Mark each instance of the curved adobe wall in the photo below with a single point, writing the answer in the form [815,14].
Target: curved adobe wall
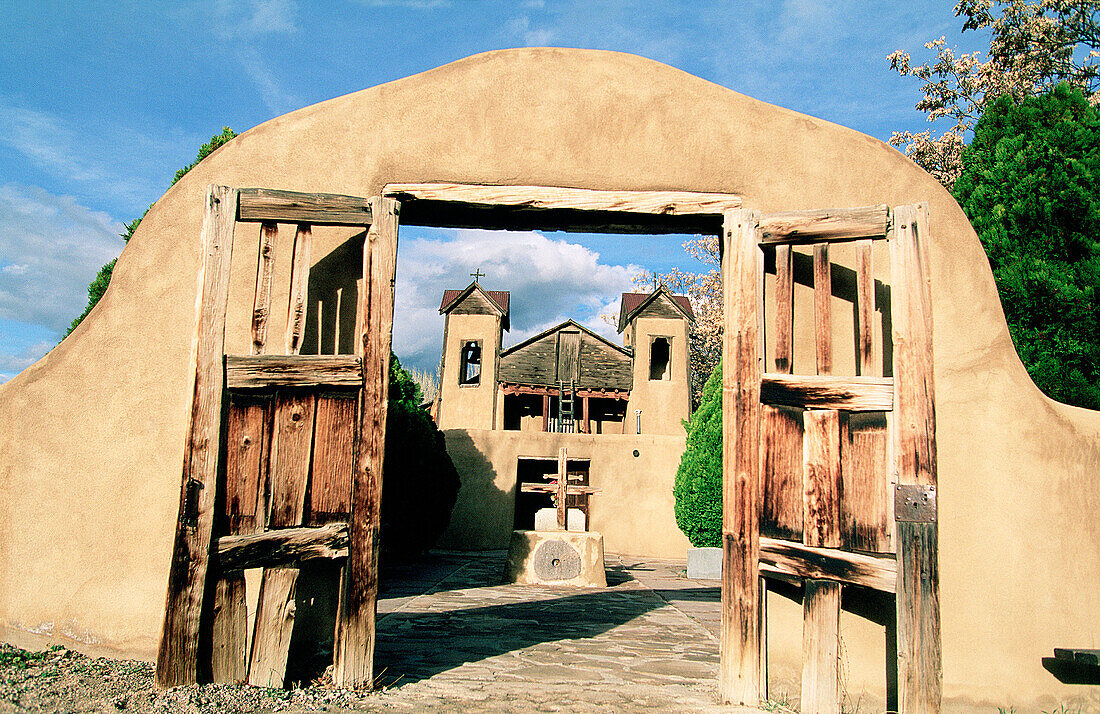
[91,437]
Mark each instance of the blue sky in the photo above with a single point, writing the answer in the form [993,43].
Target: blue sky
[100,103]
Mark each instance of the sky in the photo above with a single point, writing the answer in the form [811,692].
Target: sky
[101,103]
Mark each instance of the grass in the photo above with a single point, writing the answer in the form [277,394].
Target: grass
[21,659]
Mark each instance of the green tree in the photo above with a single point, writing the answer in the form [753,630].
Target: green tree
[420,483]
[1030,185]
[698,485]
[103,277]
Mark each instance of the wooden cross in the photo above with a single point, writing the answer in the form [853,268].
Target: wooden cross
[561,488]
[477,274]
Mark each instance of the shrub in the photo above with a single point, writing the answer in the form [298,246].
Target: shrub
[698,486]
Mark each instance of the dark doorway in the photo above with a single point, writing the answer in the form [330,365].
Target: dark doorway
[544,470]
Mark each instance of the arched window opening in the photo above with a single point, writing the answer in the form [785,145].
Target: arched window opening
[470,370]
[659,354]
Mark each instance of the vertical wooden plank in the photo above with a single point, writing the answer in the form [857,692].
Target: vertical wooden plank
[261,303]
[299,283]
[246,436]
[823,321]
[587,415]
[333,459]
[563,484]
[781,514]
[821,477]
[739,669]
[354,647]
[291,456]
[821,473]
[820,647]
[914,447]
[291,452]
[865,309]
[546,412]
[784,309]
[274,626]
[177,656]
[865,523]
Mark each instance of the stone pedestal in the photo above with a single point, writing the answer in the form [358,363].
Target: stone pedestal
[556,558]
[546,519]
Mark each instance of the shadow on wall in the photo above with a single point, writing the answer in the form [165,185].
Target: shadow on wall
[483,515]
[878,607]
[332,299]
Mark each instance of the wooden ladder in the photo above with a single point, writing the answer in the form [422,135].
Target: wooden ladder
[284,454]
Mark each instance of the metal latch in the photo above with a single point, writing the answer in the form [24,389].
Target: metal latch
[914,503]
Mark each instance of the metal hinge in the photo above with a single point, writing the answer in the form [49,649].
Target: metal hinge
[914,503]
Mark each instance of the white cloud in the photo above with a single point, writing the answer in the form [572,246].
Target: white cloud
[50,249]
[549,280]
[123,165]
[253,18]
[12,362]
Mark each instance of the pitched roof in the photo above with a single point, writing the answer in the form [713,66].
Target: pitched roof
[499,298]
[633,303]
[563,325]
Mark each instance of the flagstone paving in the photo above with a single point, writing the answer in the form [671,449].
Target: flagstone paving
[451,636]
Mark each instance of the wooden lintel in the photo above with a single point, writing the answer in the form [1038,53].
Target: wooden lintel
[328,209]
[831,225]
[282,546]
[803,561]
[855,394]
[558,208]
[260,371]
[593,393]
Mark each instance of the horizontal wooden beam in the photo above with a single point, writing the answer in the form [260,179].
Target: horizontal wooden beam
[787,558]
[553,488]
[557,208]
[323,209]
[554,391]
[854,394]
[282,547]
[260,371]
[824,226]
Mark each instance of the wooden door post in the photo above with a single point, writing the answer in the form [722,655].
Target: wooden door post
[918,611]
[354,647]
[739,680]
[177,658]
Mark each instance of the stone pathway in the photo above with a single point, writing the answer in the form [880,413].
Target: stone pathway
[452,638]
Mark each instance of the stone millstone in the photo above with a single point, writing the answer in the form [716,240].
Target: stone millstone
[556,558]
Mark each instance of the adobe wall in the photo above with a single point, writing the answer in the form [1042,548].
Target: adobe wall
[634,512]
[91,436]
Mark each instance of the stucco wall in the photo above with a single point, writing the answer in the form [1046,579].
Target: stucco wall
[91,436]
[634,511]
[666,402]
[472,405]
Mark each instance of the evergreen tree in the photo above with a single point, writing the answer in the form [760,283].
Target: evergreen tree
[1031,187]
[698,486]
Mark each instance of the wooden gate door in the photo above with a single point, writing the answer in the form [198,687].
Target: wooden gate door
[283,460]
[829,480]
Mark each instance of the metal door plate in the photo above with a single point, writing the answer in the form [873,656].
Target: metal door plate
[914,503]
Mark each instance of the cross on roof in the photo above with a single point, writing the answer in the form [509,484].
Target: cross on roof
[560,489]
[477,274]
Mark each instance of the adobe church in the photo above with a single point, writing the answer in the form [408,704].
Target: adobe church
[619,411]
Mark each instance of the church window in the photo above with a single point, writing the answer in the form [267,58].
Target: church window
[659,357]
[470,370]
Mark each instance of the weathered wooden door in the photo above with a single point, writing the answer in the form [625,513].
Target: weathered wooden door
[830,480]
[284,456]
